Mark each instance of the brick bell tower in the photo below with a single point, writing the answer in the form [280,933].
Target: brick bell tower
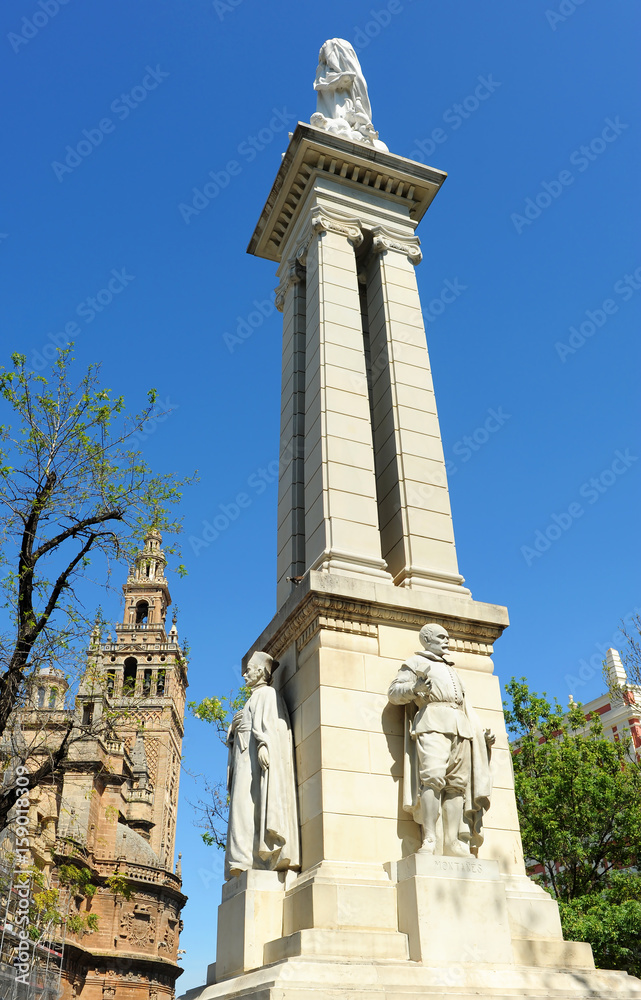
[147,677]
[119,796]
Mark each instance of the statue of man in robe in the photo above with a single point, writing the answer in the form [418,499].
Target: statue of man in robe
[343,103]
[447,751]
[263,808]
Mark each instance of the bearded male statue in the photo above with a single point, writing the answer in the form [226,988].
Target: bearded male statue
[447,751]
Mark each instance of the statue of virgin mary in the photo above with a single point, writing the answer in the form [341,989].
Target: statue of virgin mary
[343,103]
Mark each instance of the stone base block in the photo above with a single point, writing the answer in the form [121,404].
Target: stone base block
[553,954]
[532,911]
[306,979]
[374,945]
[250,914]
[337,896]
[453,909]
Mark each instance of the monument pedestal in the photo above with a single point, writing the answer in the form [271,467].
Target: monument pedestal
[453,910]
[367,916]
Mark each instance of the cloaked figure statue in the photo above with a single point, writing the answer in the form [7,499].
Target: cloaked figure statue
[343,104]
[263,808]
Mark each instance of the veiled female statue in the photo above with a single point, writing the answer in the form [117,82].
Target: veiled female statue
[263,810]
[343,103]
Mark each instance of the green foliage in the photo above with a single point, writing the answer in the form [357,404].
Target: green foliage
[119,885]
[213,811]
[578,794]
[610,921]
[579,800]
[218,711]
[82,923]
[77,880]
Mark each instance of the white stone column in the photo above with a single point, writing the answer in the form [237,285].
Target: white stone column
[341,511]
[290,299]
[417,536]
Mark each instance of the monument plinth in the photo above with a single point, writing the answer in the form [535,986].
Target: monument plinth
[380,905]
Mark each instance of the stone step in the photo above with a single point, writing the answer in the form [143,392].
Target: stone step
[323,943]
[552,954]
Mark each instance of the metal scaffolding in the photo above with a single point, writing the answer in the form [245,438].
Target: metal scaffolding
[45,943]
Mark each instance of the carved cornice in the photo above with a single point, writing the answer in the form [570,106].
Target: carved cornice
[316,156]
[385,239]
[321,611]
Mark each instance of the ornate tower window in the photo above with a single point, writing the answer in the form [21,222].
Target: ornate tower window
[142,612]
[41,697]
[129,676]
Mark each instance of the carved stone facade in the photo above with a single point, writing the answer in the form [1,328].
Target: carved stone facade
[113,810]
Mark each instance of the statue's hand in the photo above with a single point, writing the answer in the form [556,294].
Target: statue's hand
[490,738]
[263,757]
[422,687]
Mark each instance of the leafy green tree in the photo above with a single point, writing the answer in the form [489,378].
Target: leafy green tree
[75,497]
[579,800]
[213,811]
[610,921]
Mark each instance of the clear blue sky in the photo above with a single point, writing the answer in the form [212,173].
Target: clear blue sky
[199,81]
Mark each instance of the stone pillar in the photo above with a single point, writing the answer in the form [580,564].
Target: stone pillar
[341,513]
[417,536]
[290,299]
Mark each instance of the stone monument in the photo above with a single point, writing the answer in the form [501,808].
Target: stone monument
[390,901]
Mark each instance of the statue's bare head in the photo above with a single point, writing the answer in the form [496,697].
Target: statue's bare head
[435,639]
[259,669]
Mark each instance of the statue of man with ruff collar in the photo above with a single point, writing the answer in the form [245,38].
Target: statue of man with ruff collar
[447,751]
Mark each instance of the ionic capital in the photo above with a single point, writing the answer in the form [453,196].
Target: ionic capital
[385,239]
[324,221]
